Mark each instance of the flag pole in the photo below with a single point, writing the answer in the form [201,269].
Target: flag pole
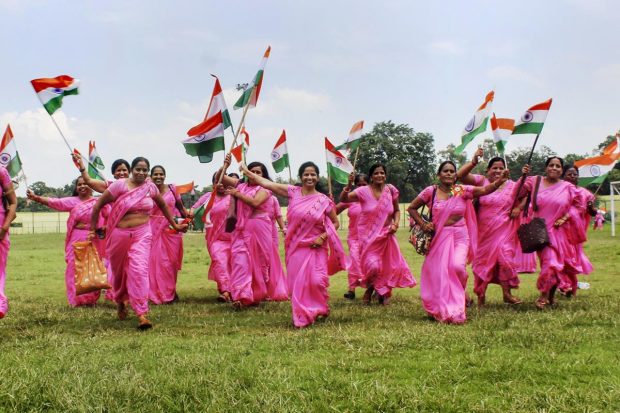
[522,179]
[62,135]
[290,175]
[329,178]
[357,150]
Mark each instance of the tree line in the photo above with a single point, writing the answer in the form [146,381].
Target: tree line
[410,159]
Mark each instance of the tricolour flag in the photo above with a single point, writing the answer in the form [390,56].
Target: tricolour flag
[279,155]
[185,188]
[533,120]
[9,157]
[594,170]
[95,164]
[240,151]
[250,95]
[613,147]
[218,104]
[502,129]
[51,90]
[338,166]
[354,138]
[477,124]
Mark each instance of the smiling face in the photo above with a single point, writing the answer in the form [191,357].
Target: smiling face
[572,175]
[140,172]
[447,174]
[309,177]
[378,176]
[495,171]
[83,190]
[158,176]
[553,170]
[121,172]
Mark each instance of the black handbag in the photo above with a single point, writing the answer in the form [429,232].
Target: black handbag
[231,216]
[533,236]
[420,239]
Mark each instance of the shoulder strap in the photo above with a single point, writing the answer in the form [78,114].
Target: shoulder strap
[534,203]
[432,202]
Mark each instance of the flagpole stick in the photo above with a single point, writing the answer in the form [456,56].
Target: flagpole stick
[329,178]
[599,188]
[62,135]
[241,123]
[290,175]
[357,151]
[522,179]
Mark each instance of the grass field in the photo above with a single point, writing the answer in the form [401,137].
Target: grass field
[203,356]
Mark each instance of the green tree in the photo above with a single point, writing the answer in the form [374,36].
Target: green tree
[518,157]
[408,155]
[448,154]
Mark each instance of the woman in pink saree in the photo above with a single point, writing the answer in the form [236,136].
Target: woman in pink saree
[497,231]
[167,245]
[599,220]
[80,207]
[120,170]
[382,265]
[252,239]
[276,284]
[313,249]
[577,227]
[217,239]
[444,273]
[7,215]
[354,210]
[555,202]
[128,234]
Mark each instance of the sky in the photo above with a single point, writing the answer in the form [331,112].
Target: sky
[145,68]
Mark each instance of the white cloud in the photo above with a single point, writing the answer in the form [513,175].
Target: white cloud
[447,47]
[507,72]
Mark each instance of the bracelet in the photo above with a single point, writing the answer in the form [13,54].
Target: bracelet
[346,189]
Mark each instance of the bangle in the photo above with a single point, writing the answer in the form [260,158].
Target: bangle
[346,189]
[81,169]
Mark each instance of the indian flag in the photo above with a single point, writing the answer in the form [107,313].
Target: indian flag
[279,155]
[502,129]
[354,139]
[594,170]
[250,95]
[477,124]
[533,120]
[9,157]
[185,188]
[240,151]
[338,167]
[208,137]
[51,90]
[95,164]
[613,147]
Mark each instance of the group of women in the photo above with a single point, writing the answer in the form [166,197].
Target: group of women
[133,226]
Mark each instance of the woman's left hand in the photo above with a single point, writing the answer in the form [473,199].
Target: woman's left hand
[231,191]
[181,227]
[318,242]
[393,228]
[515,212]
[3,232]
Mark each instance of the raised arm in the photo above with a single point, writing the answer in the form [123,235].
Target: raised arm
[11,210]
[492,187]
[347,195]
[464,172]
[276,188]
[94,184]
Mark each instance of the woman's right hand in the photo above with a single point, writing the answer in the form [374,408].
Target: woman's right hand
[428,227]
[30,195]
[351,179]
[77,160]
[478,154]
[526,169]
[227,160]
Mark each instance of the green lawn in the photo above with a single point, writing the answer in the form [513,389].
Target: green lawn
[203,356]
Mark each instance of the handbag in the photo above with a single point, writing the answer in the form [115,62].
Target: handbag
[533,236]
[420,239]
[90,273]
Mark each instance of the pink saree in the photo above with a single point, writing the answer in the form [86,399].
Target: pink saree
[5,244]
[355,268]
[129,248]
[251,249]
[80,212]
[497,239]
[383,266]
[166,253]
[444,273]
[276,283]
[558,262]
[218,241]
[309,268]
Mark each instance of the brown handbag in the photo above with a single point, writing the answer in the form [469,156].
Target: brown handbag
[420,239]
[533,236]
[90,273]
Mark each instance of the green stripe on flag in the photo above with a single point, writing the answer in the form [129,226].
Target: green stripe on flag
[204,150]
[466,139]
[15,166]
[595,180]
[281,163]
[533,128]
[338,175]
[501,147]
[54,104]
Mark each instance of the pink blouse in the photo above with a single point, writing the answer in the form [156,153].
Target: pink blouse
[145,206]
[458,208]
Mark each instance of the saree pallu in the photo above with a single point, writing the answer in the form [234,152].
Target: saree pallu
[383,266]
[355,270]
[5,244]
[309,268]
[497,233]
[218,243]
[166,256]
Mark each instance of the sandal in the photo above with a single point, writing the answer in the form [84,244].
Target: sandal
[468,301]
[121,311]
[350,295]
[237,305]
[144,323]
[512,300]
[367,299]
[541,303]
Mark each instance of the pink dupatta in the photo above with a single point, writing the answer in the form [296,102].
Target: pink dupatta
[124,202]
